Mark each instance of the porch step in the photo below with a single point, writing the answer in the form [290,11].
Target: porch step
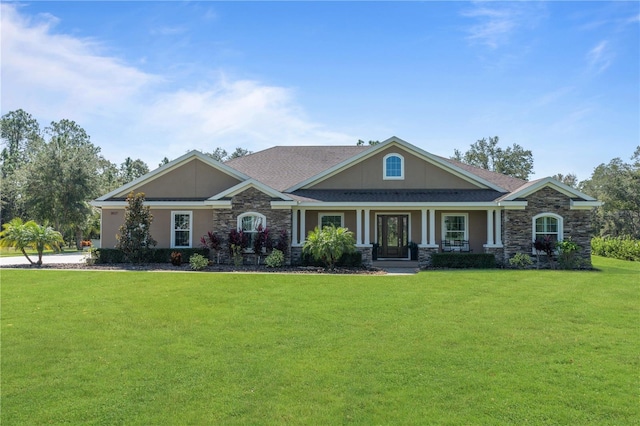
[397,266]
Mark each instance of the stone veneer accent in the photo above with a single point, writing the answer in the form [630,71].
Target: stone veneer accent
[518,224]
[250,200]
[424,256]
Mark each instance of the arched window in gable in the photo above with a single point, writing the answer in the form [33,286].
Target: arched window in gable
[393,167]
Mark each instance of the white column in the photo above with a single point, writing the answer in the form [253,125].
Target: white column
[367,227]
[358,226]
[303,226]
[432,227]
[498,227]
[423,239]
[490,227]
[294,227]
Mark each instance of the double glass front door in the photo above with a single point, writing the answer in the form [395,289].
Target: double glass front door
[393,233]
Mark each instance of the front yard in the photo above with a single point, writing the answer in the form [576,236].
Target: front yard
[439,347]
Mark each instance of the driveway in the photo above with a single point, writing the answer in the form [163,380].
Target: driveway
[46,259]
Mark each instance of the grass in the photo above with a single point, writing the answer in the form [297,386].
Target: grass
[440,347]
[12,252]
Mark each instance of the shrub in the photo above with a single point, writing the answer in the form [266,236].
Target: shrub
[275,259]
[176,258]
[198,262]
[109,255]
[329,244]
[160,255]
[212,242]
[282,243]
[623,247]
[463,260]
[521,261]
[567,250]
[134,237]
[238,241]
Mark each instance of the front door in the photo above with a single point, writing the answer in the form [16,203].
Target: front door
[393,231]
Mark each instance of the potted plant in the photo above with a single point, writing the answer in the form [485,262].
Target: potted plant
[413,249]
[374,252]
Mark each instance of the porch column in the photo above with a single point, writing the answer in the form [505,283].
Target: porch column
[498,227]
[367,227]
[294,227]
[423,238]
[358,226]
[303,226]
[490,227]
[432,227]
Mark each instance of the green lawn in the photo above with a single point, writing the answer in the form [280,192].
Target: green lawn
[450,347]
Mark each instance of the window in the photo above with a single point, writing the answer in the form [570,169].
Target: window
[250,224]
[181,229]
[547,225]
[393,167]
[454,227]
[328,219]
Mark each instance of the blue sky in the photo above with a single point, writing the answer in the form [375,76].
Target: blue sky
[155,79]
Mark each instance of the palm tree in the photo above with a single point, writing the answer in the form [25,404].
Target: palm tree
[44,237]
[21,235]
[16,234]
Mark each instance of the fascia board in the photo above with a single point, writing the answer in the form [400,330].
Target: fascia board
[154,204]
[162,170]
[250,183]
[551,182]
[283,205]
[513,205]
[457,171]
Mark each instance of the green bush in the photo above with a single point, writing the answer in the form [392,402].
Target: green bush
[521,261]
[329,244]
[198,262]
[275,259]
[347,260]
[623,248]
[463,260]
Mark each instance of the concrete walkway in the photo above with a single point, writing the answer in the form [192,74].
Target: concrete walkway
[75,257]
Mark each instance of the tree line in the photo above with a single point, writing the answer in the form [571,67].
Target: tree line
[50,175]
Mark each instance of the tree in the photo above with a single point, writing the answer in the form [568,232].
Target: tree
[134,237]
[617,184]
[329,244]
[569,179]
[513,161]
[164,161]
[218,154]
[20,134]
[239,152]
[63,176]
[22,235]
[132,169]
[372,143]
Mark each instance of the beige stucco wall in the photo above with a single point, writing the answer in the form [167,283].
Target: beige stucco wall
[194,179]
[419,174]
[112,219]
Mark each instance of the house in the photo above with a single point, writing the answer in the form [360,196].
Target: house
[388,194]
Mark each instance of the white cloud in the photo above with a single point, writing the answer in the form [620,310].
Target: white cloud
[599,57]
[129,112]
[497,22]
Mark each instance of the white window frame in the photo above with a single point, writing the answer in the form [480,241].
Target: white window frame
[321,215]
[384,167]
[173,227]
[443,228]
[534,234]
[263,218]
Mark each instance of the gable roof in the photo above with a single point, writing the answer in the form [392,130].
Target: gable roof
[282,167]
[507,182]
[189,156]
[536,185]
[477,180]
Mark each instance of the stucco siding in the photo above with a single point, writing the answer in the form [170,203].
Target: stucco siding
[418,174]
[194,179]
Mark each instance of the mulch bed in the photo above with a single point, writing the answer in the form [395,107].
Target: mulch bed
[167,267]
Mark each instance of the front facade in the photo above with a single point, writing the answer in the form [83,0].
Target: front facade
[391,196]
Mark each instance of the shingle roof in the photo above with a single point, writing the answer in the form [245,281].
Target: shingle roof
[509,183]
[397,196]
[282,167]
